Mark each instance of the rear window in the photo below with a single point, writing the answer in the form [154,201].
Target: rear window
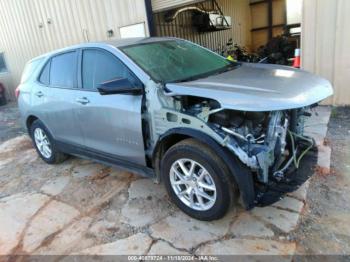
[29,69]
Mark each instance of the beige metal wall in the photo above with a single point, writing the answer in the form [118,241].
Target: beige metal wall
[29,28]
[239,11]
[326,44]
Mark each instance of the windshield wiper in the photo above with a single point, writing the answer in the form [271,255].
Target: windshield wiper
[215,72]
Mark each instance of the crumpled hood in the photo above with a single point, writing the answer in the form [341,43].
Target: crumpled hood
[258,87]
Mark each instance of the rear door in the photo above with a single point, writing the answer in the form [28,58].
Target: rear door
[111,124]
[60,73]
[33,96]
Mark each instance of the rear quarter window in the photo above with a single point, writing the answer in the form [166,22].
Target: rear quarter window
[29,69]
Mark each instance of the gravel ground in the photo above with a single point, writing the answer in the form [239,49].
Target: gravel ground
[10,126]
[325,227]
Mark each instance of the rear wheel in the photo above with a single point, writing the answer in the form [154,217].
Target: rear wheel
[44,144]
[197,180]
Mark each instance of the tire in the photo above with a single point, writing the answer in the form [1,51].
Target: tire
[55,157]
[189,152]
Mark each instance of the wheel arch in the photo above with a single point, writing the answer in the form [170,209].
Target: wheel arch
[30,120]
[241,175]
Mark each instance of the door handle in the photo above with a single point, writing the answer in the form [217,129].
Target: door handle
[83,100]
[39,94]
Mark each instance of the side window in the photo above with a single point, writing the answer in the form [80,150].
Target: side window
[100,66]
[63,70]
[45,75]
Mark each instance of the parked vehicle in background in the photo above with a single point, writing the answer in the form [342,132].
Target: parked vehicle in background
[209,128]
[2,95]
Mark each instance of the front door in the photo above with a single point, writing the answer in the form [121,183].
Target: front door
[111,124]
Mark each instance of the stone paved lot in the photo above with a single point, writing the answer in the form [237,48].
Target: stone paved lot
[80,207]
[9,122]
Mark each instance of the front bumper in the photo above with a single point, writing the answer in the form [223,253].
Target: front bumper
[271,193]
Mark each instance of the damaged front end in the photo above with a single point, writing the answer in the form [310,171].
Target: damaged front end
[257,112]
[268,143]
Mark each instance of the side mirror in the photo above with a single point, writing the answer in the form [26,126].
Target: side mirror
[119,86]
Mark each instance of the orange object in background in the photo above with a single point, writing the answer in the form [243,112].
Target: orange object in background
[296,60]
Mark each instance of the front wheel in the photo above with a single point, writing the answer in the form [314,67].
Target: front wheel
[197,180]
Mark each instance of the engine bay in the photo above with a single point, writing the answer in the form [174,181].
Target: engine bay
[269,143]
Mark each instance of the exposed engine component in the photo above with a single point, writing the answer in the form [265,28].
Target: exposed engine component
[259,139]
[263,137]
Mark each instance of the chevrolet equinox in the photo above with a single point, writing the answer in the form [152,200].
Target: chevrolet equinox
[210,129]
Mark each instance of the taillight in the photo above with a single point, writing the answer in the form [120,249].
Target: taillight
[17,92]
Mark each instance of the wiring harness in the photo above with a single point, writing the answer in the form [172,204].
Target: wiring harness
[279,175]
[296,159]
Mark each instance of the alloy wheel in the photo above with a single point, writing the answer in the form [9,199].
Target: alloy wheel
[193,184]
[42,142]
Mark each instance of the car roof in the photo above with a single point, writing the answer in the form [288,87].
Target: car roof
[118,43]
[135,41]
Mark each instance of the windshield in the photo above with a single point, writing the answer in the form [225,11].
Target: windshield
[176,60]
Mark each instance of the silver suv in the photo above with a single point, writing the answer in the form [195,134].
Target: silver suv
[211,129]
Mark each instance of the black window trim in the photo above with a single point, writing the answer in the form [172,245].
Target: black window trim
[80,67]
[75,84]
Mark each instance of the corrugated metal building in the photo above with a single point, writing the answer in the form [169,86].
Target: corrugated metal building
[30,28]
[326,44]
[238,10]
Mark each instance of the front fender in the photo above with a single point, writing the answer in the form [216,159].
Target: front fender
[240,173]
